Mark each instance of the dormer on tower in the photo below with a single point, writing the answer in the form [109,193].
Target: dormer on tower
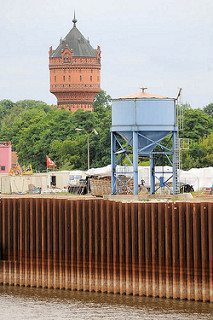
[75,71]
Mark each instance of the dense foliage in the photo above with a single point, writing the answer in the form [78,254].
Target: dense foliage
[198,127]
[36,130]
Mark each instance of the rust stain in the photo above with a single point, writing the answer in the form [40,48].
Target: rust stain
[182,250]
[151,249]
[204,251]
[168,250]
[210,262]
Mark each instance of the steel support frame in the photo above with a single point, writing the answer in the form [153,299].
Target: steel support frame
[165,151]
[117,183]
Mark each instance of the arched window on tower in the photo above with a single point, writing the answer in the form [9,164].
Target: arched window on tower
[80,78]
[90,78]
[67,58]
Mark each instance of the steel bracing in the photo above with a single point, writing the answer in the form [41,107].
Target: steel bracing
[156,148]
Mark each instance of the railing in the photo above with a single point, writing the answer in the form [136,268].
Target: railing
[55,87]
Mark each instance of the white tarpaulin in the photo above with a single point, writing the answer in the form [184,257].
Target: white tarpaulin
[199,178]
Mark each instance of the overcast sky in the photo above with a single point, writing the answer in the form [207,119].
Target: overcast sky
[159,44]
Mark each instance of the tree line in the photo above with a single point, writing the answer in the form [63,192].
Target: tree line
[198,128]
[37,129]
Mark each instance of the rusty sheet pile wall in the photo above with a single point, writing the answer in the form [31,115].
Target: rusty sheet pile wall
[151,249]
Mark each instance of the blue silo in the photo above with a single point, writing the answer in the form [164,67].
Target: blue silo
[143,120]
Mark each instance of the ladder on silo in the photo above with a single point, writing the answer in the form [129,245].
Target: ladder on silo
[180,145]
[179,112]
[177,165]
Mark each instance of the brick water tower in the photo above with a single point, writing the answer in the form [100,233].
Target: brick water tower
[75,71]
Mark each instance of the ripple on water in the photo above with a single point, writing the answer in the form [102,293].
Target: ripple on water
[29,303]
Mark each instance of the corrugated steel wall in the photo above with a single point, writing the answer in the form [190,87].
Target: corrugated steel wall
[151,249]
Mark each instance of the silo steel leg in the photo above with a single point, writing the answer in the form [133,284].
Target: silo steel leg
[113,178]
[135,161]
[152,176]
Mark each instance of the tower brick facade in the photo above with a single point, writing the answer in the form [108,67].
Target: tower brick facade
[75,71]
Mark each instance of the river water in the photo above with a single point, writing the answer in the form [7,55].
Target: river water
[32,303]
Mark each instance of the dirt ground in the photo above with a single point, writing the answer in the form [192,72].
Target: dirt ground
[50,196]
[200,197]
[203,197]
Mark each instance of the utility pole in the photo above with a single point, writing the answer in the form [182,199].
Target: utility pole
[88,157]
[88,164]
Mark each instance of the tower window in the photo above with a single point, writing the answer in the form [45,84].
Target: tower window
[69,78]
[55,78]
[80,78]
[90,78]
[64,78]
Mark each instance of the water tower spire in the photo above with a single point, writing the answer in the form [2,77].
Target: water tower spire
[74,20]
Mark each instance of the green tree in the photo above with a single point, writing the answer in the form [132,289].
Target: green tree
[36,130]
[102,99]
[206,145]
[209,109]
[200,154]
[84,120]
[197,124]
[5,107]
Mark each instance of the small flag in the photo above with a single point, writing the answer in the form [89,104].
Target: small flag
[50,163]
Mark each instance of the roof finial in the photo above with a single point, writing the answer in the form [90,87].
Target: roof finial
[143,89]
[74,20]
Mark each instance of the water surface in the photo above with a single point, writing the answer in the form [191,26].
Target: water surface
[22,303]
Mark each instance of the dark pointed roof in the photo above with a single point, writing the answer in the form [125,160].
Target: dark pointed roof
[75,41]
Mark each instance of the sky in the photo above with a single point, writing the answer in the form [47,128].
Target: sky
[163,45]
